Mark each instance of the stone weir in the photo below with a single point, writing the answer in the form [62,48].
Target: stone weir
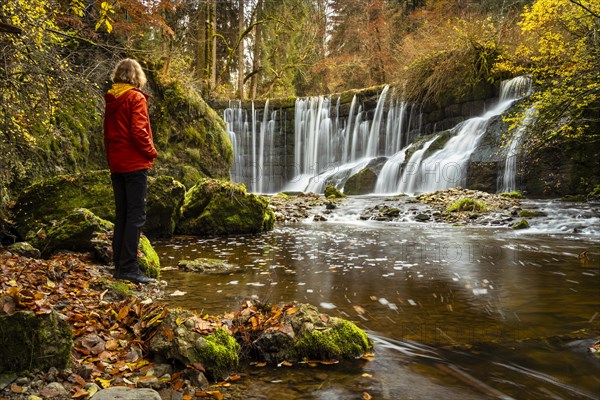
[287,144]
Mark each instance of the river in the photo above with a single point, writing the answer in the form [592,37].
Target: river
[455,311]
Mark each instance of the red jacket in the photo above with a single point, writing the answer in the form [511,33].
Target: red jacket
[127,134]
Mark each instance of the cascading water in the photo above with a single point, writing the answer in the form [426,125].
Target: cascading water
[507,182]
[253,139]
[330,150]
[447,167]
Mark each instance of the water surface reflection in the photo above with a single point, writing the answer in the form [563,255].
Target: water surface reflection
[492,302]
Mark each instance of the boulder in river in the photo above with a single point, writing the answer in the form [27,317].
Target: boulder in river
[187,338]
[215,207]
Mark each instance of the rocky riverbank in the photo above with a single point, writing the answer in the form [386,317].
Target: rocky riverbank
[82,335]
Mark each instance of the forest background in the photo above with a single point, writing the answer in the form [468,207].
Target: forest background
[56,57]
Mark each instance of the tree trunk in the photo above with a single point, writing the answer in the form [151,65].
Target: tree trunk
[241,51]
[202,46]
[256,53]
[213,41]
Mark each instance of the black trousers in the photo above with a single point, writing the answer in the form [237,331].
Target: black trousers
[130,202]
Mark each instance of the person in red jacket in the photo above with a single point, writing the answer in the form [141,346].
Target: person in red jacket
[130,153]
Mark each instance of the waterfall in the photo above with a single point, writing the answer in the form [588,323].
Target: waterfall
[507,181]
[447,167]
[252,138]
[389,178]
[330,148]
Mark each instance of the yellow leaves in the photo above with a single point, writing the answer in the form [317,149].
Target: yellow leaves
[105,19]
[103,383]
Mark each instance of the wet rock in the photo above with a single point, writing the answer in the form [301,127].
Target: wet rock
[361,183]
[522,224]
[179,338]
[32,341]
[319,218]
[422,217]
[306,332]
[24,249]
[214,207]
[207,266]
[126,393]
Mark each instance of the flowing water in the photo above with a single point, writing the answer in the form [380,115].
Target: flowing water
[455,312]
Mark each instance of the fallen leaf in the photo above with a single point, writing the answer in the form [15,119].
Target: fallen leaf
[80,394]
[16,388]
[359,309]
[123,312]
[366,396]
[285,364]
[292,310]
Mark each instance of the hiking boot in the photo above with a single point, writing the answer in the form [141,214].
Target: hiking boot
[135,277]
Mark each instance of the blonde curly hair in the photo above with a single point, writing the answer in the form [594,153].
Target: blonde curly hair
[129,71]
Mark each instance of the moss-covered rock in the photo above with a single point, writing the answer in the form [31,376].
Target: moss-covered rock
[522,224]
[31,342]
[207,265]
[164,201]
[304,332]
[24,249]
[467,204]
[331,192]
[216,349]
[362,183]
[341,340]
[190,131]
[52,199]
[214,207]
[78,230]
[532,213]
[148,258]
[512,195]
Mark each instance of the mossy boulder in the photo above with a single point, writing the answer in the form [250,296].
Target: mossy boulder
[362,183]
[178,338]
[34,342]
[331,192]
[522,224]
[304,332]
[190,132]
[52,199]
[79,230]
[215,207]
[164,200]
[24,249]
[532,213]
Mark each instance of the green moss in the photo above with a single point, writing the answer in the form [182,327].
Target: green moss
[522,224]
[512,195]
[214,207]
[149,260]
[531,214]
[343,340]
[54,198]
[467,204]
[190,176]
[219,353]
[331,192]
[31,342]
[594,193]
